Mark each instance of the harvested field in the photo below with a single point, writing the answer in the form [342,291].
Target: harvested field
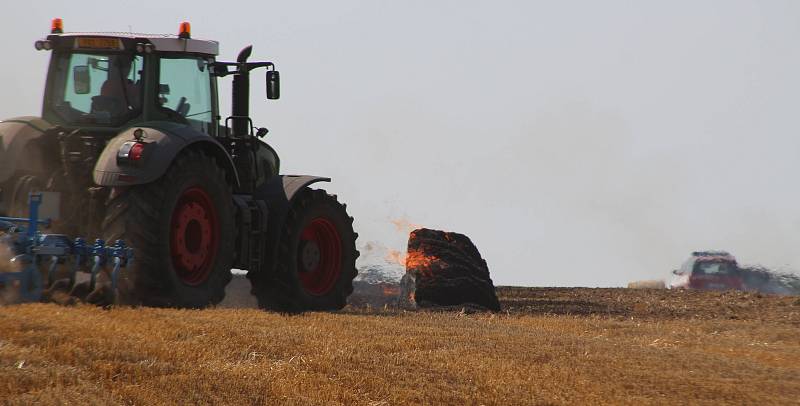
[550,345]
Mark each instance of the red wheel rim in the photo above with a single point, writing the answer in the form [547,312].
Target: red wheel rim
[319,256]
[194,236]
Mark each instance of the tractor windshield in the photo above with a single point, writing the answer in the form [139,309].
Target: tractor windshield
[102,89]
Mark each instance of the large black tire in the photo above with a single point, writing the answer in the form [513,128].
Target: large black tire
[181,228]
[316,260]
[19,191]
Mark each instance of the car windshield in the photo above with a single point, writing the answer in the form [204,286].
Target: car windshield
[102,89]
[714,268]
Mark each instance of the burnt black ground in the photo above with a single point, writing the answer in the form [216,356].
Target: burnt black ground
[651,303]
[620,303]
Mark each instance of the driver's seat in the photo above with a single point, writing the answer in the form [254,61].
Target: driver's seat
[107,105]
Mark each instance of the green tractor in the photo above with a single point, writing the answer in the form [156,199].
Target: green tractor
[132,143]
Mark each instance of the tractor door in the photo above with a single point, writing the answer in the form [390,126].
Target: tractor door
[186,93]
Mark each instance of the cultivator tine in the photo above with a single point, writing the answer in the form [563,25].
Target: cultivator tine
[30,283]
[51,271]
[98,253]
[122,257]
[80,251]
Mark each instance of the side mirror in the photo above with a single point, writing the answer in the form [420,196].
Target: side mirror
[82,81]
[219,70]
[99,64]
[273,85]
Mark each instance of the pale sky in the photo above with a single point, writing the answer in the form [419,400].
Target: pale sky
[576,142]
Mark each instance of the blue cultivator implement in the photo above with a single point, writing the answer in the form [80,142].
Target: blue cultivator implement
[31,252]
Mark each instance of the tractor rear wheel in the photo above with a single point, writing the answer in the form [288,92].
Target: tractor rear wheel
[181,228]
[22,188]
[316,257]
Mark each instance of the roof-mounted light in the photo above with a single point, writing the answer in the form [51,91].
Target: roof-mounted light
[185,30]
[57,26]
[143,48]
[43,45]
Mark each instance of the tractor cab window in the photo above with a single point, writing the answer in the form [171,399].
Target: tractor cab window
[103,89]
[715,268]
[185,90]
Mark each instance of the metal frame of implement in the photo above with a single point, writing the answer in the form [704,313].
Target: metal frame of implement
[31,248]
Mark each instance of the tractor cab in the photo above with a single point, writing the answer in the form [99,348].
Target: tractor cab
[107,81]
[102,86]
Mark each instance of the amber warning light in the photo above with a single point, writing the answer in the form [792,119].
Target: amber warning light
[57,26]
[185,30]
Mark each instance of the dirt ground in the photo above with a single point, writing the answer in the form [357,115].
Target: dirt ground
[549,346]
[652,304]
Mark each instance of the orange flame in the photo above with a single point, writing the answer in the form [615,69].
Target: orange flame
[417,260]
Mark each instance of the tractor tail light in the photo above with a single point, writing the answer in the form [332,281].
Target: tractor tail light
[130,151]
[57,26]
[136,152]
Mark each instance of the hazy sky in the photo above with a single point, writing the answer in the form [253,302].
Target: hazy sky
[576,142]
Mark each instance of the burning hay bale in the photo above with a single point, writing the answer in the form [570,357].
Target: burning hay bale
[445,269]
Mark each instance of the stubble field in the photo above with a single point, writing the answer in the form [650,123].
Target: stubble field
[550,346]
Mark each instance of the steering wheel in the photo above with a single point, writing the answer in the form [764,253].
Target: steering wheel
[181,105]
[173,115]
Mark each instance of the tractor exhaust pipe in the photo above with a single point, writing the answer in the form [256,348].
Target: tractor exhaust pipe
[241,95]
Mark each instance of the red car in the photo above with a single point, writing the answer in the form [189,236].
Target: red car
[708,270]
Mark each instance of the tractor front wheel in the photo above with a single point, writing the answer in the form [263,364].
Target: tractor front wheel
[181,228]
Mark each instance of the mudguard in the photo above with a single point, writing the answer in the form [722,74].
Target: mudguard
[15,135]
[163,142]
[279,192]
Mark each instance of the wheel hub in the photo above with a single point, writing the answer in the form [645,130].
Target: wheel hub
[310,255]
[194,236]
[319,256]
